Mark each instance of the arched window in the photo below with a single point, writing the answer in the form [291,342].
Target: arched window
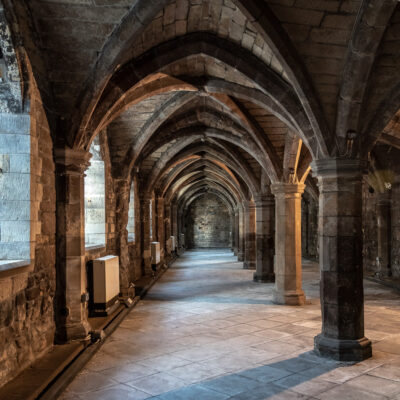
[131,215]
[95,207]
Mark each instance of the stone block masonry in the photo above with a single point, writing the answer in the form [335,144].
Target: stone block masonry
[208,223]
[15,194]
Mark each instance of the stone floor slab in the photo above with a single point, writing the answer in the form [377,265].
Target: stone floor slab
[207,331]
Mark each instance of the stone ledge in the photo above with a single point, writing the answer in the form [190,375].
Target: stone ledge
[13,267]
[95,247]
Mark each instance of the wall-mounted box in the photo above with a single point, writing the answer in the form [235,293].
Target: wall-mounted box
[104,285]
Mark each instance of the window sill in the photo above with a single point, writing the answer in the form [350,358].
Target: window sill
[14,267]
[95,247]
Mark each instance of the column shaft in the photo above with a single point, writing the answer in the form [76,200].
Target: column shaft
[341,261]
[288,285]
[383,211]
[250,235]
[145,242]
[122,210]
[71,314]
[265,250]
[161,226]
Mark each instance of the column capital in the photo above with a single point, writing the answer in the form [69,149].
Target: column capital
[146,198]
[248,203]
[264,200]
[71,161]
[288,188]
[339,167]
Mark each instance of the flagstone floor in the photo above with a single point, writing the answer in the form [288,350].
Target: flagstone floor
[206,331]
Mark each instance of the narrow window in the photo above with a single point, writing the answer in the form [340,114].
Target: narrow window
[131,214]
[95,209]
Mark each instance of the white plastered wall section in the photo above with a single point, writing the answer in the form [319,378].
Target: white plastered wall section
[95,206]
[15,187]
[131,215]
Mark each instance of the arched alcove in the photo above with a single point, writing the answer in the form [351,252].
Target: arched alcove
[208,223]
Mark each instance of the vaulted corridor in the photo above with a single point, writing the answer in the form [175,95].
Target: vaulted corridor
[207,147]
[205,331]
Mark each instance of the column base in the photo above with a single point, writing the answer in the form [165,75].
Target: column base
[249,265]
[290,298]
[240,256]
[343,350]
[77,331]
[264,278]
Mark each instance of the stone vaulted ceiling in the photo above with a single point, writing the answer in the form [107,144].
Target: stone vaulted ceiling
[248,92]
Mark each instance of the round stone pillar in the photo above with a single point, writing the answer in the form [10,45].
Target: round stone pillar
[71,307]
[145,217]
[265,249]
[241,246]
[383,211]
[123,187]
[161,226]
[288,285]
[341,260]
[236,232]
[250,235]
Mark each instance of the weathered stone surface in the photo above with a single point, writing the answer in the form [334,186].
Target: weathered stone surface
[208,223]
[342,334]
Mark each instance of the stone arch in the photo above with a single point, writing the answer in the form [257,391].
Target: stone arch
[370,27]
[223,50]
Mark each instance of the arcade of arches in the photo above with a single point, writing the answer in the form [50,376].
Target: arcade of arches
[270,127]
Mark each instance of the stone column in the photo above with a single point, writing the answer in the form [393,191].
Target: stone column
[180,218]
[341,260]
[265,250]
[122,210]
[167,226]
[71,308]
[241,246]
[383,211]
[236,233]
[174,225]
[250,235]
[288,285]
[233,233]
[160,226]
[145,242]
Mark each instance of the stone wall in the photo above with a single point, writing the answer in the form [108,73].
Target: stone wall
[370,237]
[26,299]
[381,214]
[371,198]
[395,227]
[208,223]
[309,227]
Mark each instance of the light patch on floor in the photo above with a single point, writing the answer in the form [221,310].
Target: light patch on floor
[206,331]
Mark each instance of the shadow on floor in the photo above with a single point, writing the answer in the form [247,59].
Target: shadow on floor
[205,293]
[262,382]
